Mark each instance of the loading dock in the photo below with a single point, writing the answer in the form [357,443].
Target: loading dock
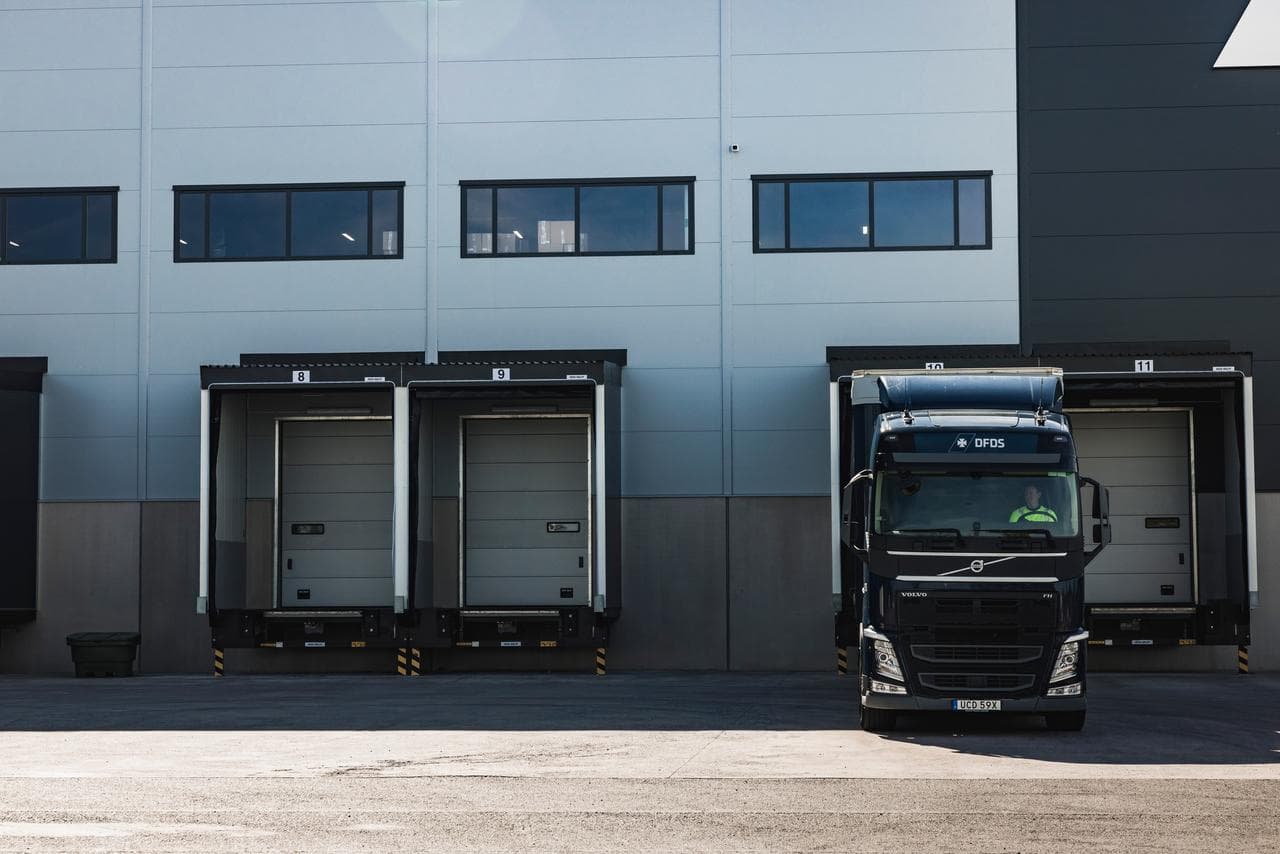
[372,500]
[515,484]
[21,383]
[301,544]
[1168,427]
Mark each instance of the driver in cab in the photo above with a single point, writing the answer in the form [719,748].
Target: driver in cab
[1033,511]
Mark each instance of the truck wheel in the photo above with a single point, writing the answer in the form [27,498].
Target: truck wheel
[877,720]
[1065,721]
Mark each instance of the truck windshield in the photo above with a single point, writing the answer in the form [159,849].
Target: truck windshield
[981,504]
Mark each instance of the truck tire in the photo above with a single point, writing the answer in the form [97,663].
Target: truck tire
[877,720]
[1065,721]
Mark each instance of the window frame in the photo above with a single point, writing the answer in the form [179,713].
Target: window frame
[83,193]
[870,179]
[288,189]
[576,184]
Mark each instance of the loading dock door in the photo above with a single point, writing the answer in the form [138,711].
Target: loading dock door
[335,500]
[1144,459]
[526,510]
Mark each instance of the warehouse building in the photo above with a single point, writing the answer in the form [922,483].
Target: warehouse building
[361,212]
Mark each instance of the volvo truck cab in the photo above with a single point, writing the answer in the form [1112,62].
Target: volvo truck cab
[972,526]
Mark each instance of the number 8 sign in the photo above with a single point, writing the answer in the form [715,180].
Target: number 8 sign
[302,376]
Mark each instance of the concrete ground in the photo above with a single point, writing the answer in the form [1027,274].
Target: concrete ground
[630,762]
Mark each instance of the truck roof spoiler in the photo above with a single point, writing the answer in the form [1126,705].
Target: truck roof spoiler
[1036,390]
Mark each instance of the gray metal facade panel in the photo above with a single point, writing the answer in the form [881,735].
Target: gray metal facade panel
[1204,201]
[1136,76]
[612,92]
[1133,21]
[1108,139]
[1146,176]
[1172,265]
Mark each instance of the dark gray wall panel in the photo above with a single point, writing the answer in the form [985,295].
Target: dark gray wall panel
[1250,324]
[176,639]
[1147,185]
[1138,76]
[673,585]
[1172,138]
[1170,266]
[1128,22]
[780,584]
[1201,202]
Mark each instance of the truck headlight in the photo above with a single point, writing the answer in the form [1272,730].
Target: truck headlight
[886,660]
[1072,690]
[1068,663]
[878,687]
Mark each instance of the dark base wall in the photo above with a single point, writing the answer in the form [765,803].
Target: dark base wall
[708,584]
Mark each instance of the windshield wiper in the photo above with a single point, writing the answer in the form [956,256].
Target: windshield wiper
[1017,532]
[954,532]
[1022,536]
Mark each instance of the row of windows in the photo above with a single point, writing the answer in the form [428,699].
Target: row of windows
[804,213]
[288,223]
[578,218]
[652,216]
[58,226]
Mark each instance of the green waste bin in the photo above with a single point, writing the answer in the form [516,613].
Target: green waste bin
[104,653]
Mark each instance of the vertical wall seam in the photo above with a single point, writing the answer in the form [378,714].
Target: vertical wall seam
[728,589]
[726,290]
[433,180]
[1024,290]
[144,283]
[144,245]
[726,317]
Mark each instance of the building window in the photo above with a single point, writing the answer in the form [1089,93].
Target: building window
[640,216]
[307,222]
[58,226]
[856,213]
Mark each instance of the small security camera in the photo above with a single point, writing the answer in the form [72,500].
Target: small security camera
[735,148]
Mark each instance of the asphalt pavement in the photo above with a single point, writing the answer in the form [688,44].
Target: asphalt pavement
[628,762]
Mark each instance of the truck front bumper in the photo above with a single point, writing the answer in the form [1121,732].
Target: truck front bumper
[1020,705]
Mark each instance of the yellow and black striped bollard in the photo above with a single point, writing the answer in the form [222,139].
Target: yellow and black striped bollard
[415,661]
[402,661]
[602,663]
[218,664]
[842,660]
[1242,659]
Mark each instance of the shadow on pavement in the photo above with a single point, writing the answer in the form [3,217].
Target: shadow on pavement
[1133,718]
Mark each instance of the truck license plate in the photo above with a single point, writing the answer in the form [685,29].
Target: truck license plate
[975,705]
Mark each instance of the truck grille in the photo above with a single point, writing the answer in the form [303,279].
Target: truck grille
[940,610]
[980,607]
[977,681]
[974,654]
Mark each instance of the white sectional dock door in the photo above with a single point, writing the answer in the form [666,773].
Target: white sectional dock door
[335,506]
[526,514]
[1144,458]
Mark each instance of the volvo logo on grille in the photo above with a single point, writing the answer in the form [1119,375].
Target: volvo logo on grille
[977,566]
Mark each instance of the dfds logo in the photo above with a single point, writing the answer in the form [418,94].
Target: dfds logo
[965,441]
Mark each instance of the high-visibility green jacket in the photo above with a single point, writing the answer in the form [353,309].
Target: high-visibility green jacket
[1040,514]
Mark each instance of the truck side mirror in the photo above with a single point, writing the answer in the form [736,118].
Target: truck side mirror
[1101,511]
[853,510]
